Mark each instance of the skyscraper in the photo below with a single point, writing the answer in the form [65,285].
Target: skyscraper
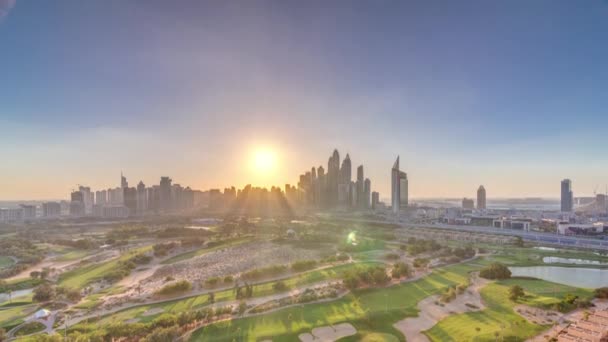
[123,181]
[567,196]
[367,193]
[344,182]
[375,200]
[360,187]
[142,198]
[399,188]
[481,198]
[165,194]
[333,177]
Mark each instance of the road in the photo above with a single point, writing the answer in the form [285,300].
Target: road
[538,237]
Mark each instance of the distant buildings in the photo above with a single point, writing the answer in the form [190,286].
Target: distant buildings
[77,203]
[468,204]
[51,209]
[567,197]
[375,200]
[399,188]
[481,198]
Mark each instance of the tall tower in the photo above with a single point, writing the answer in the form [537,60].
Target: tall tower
[123,181]
[481,197]
[360,187]
[346,170]
[399,188]
[567,196]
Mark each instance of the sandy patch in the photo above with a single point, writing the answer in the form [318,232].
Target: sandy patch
[153,311]
[538,316]
[132,320]
[329,333]
[431,313]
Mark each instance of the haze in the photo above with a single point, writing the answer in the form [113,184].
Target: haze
[511,95]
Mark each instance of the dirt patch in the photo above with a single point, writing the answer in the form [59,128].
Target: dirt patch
[329,333]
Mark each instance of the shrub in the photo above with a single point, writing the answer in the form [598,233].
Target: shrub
[264,272]
[401,269]
[516,292]
[303,265]
[44,293]
[211,282]
[228,279]
[178,287]
[420,262]
[602,292]
[495,271]
[392,256]
[279,286]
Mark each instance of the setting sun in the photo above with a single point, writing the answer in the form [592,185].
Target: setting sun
[264,160]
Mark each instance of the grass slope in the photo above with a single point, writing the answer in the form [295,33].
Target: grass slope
[82,276]
[499,316]
[368,310]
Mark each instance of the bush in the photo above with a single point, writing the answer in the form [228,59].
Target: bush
[602,293]
[516,292]
[416,246]
[264,272]
[392,256]
[163,334]
[420,262]
[175,288]
[279,286]
[495,271]
[44,293]
[228,279]
[401,269]
[303,265]
[211,282]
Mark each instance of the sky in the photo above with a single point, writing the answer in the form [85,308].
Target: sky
[509,94]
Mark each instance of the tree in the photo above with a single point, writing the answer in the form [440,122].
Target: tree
[516,292]
[2,335]
[242,307]
[44,293]
[495,271]
[211,297]
[279,286]
[602,292]
[34,274]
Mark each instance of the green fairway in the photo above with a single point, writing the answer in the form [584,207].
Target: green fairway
[264,289]
[369,310]
[201,251]
[75,254]
[11,316]
[82,276]
[499,316]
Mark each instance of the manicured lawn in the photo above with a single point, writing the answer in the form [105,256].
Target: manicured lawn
[85,275]
[201,251]
[75,254]
[499,315]
[260,290]
[11,316]
[373,310]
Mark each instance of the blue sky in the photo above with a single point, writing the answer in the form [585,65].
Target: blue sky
[510,94]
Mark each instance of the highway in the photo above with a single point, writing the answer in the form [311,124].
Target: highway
[538,237]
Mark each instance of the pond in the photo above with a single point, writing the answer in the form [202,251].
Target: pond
[19,293]
[558,260]
[577,277]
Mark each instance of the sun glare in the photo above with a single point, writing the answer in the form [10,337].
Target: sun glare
[264,161]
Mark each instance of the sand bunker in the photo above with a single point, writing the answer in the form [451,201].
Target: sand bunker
[431,313]
[329,333]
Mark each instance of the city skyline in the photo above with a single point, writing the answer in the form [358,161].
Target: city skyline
[130,90]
